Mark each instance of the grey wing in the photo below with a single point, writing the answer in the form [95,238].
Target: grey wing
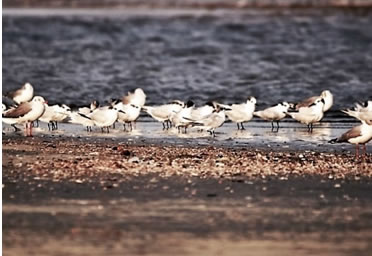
[352,133]
[19,111]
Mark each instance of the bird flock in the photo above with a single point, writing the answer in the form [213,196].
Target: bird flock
[25,108]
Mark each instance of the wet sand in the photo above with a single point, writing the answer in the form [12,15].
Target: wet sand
[135,195]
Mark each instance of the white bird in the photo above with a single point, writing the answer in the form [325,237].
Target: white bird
[358,135]
[138,98]
[85,110]
[203,111]
[326,95]
[26,112]
[164,112]
[82,119]
[309,115]
[23,94]
[104,117]
[240,113]
[367,106]
[127,113]
[212,121]
[54,114]
[182,118]
[362,113]
[274,114]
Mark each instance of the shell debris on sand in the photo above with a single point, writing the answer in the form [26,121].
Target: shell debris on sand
[81,161]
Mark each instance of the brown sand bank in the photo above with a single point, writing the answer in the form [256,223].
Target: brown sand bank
[80,196]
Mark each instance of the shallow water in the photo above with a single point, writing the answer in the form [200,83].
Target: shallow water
[291,136]
[74,57]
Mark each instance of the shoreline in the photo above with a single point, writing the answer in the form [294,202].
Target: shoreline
[130,11]
[84,195]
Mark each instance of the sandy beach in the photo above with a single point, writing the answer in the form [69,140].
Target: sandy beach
[80,196]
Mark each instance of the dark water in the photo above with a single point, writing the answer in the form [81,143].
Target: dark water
[227,56]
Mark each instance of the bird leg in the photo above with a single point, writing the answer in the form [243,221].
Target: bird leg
[113,126]
[163,125]
[238,126]
[185,129]
[365,150]
[242,127]
[356,151]
[277,125]
[31,125]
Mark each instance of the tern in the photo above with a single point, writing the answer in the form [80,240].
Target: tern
[104,117]
[26,113]
[182,118]
[54,114]
[326,95]
[274,114]
[240,113]
[211,121]
[203,111]
[127,113]
[138,98]
[163,113]
[85,110]
[309,115]
[362,113]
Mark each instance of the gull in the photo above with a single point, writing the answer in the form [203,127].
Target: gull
[309,115]
[240,113]
[163,113]
[54,114]
[181,119]
[211,121]
[138,98]
[326,95]
[26,113]
[23,94]
[360,134]
[274,114]
[127,113]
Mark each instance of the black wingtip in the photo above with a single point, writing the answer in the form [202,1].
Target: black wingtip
[333,141]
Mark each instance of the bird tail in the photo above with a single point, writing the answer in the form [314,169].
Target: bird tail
[222,106]
[146,108]
[350,112]
[257,113]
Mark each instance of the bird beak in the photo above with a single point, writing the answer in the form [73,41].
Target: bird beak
[121,111]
